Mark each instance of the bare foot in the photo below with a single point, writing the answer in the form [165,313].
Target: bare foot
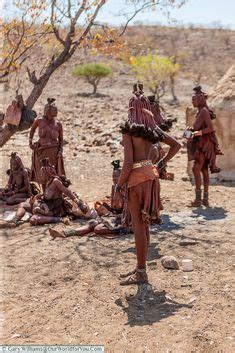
[92,223]
[7,224]
[56,234]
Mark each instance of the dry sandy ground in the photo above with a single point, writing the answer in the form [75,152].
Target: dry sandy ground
[68,292]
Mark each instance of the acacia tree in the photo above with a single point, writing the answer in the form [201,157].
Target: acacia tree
[64,24]
[92,73]
[154,71]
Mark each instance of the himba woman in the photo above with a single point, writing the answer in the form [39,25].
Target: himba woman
[139,133]
[18,187]
[112,220]
[157,152]
[202,147]
[56,202]
[49,145]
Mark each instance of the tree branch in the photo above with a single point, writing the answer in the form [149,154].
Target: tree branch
[32,76]
[55,30]
[143,7]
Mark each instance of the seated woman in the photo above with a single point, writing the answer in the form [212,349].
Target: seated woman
[55,203]
[113,220]
[18,188]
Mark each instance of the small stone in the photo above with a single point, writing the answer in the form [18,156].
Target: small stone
[16,335]
[168,297]
[152,263]
[170,262]
[192,300]
[185,178]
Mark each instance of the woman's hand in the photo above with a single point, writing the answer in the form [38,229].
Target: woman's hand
[161,164]
[197,133]
[117,198]
[31,144]
[60,152]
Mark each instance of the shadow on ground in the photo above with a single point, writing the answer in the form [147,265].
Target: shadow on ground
[148,306]
[92,95]
[211,213]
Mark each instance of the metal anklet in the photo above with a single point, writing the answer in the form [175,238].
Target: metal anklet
[69,233]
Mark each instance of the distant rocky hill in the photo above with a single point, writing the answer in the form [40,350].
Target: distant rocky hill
[204,54]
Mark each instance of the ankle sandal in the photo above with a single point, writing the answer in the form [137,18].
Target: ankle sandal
[124,275]
[139,277]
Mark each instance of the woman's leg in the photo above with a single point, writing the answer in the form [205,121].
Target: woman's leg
[84,230]
[205,173]
[141,238]
[139,229]
[40,220]
[206,180]
[2,194]
[148,239]
[21,210]
[16,199]
[197,169]
[101,229]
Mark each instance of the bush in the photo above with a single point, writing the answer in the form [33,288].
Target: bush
[92,72]
[154,71]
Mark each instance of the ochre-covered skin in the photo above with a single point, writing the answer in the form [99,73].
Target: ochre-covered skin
[50,206]
[143,182]
[49,145]
[206,144]
[18,187]
[155,109]
[203,146]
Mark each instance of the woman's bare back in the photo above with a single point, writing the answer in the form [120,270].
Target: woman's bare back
[141,149]
[52,192]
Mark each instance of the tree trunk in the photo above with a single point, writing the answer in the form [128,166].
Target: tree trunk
[172,84]
[5,134]
[94,88]
[37,91]
[67,51]
[9,131]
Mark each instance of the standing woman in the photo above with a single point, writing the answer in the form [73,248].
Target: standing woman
[49,145]
[202,147]
[139,133]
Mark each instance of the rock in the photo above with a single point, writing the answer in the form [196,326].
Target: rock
[99,141]
[192,300]
[170,262]
[152,263]
[16,335]
[186,242]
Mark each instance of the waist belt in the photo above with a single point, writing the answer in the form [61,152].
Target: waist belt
[140,164]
